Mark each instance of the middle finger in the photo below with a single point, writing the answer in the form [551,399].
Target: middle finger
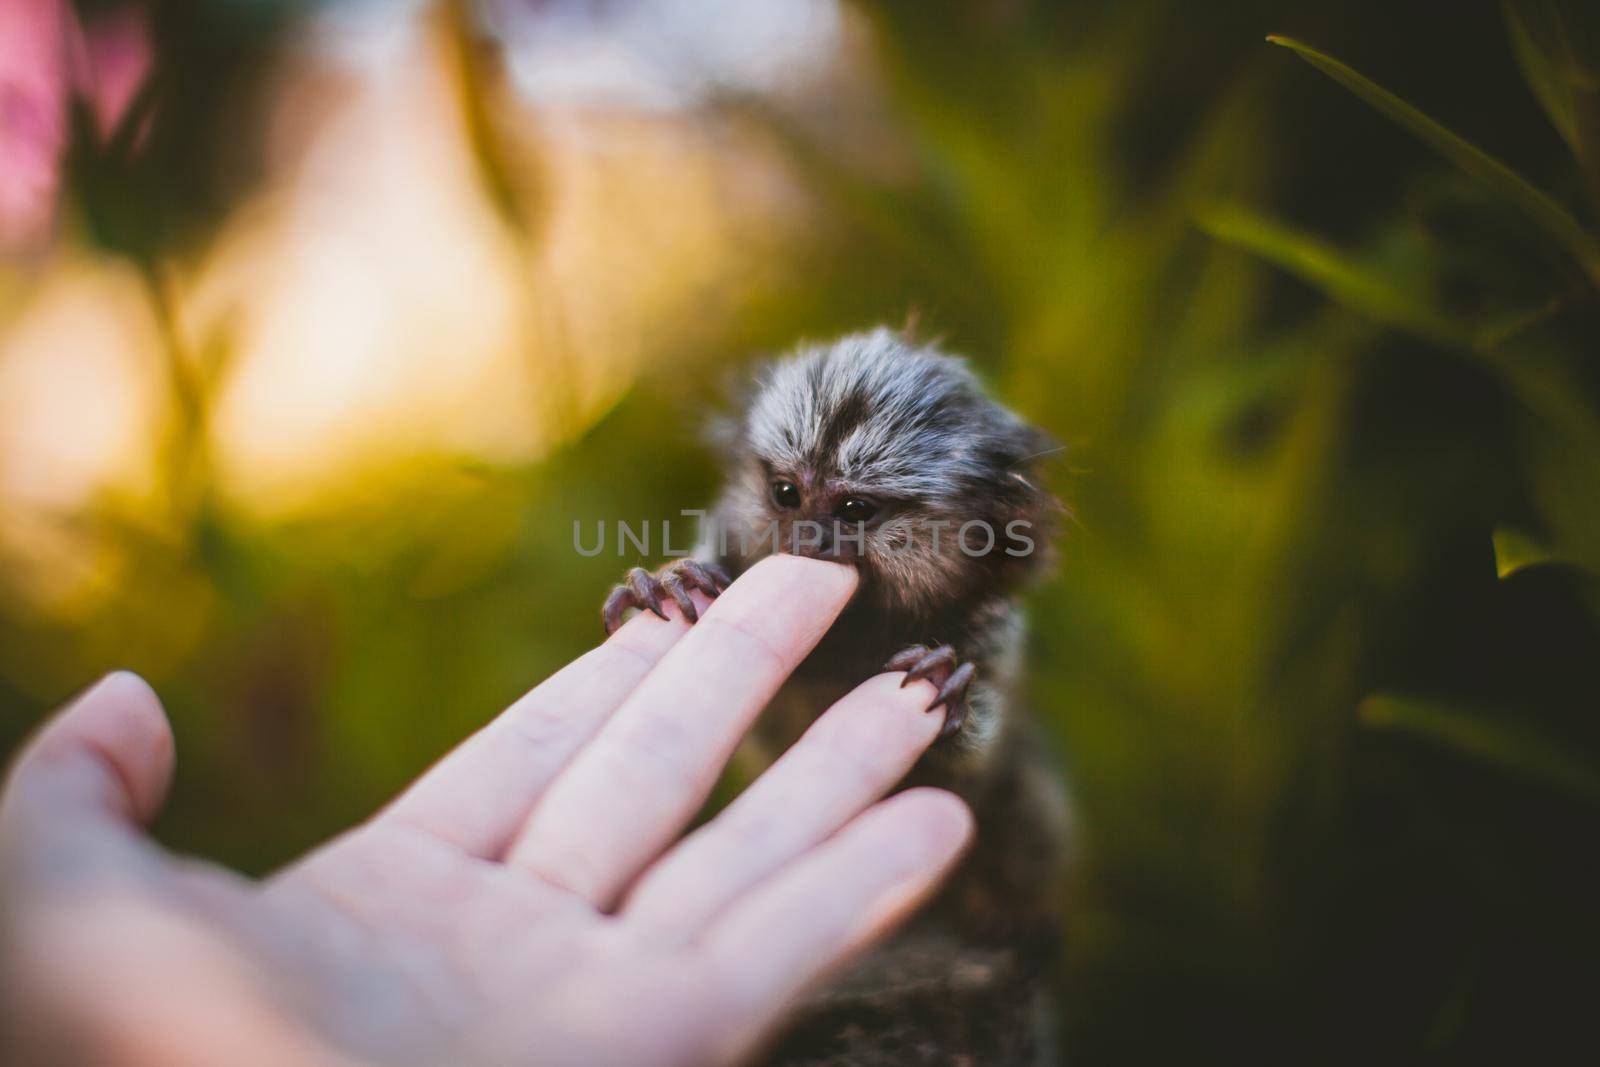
[853,754]
[631,790]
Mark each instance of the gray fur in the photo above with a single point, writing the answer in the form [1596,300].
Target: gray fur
[903,423]
[910,426]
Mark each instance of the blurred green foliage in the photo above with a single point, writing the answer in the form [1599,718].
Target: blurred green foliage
[1323,652]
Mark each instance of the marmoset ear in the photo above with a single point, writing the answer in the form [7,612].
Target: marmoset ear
[1025,495]
[914,331]
[722,430]
[723,427]
[1028,450]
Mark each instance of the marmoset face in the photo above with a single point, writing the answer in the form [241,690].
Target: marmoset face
[881,452]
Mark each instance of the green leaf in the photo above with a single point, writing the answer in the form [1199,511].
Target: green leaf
[1492,742]
[1558,48]
[1333,272]
[1537,205]
[495,159]
[1536,54]
[1559,445]
[1514,550]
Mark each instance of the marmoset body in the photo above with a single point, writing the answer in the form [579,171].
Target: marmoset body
[884,453]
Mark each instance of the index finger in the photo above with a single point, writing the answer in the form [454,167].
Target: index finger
[478,795]
[626,795]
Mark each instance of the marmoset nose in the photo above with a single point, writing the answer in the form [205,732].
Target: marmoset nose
[822,538]
[811,538]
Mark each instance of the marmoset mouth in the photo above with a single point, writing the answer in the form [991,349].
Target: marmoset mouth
[841,546]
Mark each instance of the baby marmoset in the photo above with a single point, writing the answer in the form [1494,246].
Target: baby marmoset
[887,454]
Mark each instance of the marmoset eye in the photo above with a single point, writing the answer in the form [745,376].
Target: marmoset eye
[856,509]
[785,494]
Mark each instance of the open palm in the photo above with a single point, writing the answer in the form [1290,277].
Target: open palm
[522,902]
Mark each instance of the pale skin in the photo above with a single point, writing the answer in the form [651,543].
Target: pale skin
[527,900]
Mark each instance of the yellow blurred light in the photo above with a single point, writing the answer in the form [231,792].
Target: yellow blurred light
[370,306]
[81,411]
[378,310]
[369,317]
[80,397]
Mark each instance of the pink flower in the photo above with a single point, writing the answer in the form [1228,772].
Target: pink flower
[46,59]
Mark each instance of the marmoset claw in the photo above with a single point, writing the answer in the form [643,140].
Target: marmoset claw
[940,666]
[644,590]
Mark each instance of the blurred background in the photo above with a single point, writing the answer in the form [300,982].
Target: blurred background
[322,323]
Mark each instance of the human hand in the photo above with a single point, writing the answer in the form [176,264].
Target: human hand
[522,902]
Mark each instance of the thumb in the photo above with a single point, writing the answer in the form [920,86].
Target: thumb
[110,749]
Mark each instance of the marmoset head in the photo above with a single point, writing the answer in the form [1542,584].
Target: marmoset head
[887,453]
